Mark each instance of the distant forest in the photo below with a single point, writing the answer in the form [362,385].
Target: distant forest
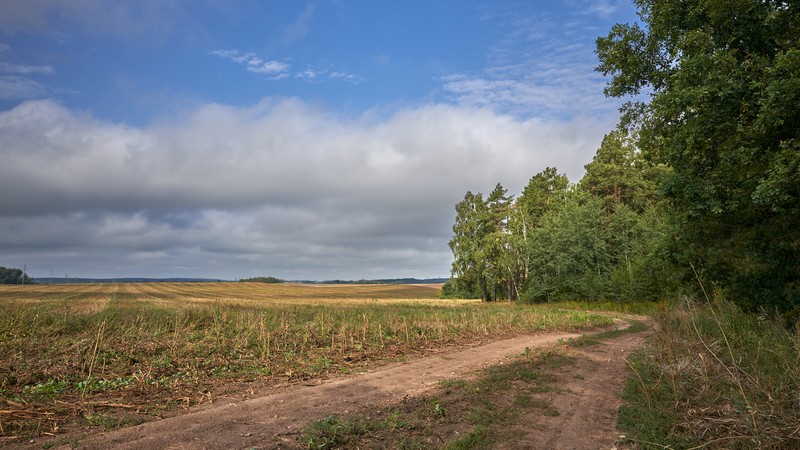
[362,281]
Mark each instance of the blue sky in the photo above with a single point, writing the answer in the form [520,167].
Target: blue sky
[305,140]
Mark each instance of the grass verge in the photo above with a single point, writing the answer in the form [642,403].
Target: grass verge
[715,377]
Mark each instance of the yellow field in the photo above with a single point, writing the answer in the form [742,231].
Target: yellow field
[95,296]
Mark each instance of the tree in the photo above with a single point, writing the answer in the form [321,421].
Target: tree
[269,279]
[14,276]
[542,193]
[568,257]
[724,83]
[499,270]
[469,258]
[620,175]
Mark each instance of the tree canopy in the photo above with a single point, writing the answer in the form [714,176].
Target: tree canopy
[724,84]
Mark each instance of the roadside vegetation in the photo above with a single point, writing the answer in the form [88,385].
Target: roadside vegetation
[114,355]
[715,377]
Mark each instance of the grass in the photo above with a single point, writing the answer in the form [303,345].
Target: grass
[715,377]
[136,350]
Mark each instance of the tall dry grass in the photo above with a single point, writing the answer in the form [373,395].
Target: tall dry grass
[718,378]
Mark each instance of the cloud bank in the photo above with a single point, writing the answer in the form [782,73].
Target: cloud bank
[280,188]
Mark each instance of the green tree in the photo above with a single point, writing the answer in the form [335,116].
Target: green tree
[14,276]
[543,192]
[469,257]
[568,257]
[724,85]
[500,272]
[620,175]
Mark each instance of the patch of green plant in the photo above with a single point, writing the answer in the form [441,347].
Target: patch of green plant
[333,432]
[478,438]
[47,390]
[62,441]
[644,308]
[98,385]
[452,383]
[647,416]
[587,340]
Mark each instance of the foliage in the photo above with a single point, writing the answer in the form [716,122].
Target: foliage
[724,80]
[568,251]
[14,276]
[605,238]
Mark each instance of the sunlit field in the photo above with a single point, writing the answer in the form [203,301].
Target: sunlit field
[110,355]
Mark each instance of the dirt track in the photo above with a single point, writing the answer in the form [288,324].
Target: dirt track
[588,401]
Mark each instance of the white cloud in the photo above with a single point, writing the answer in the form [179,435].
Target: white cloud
[538,65]
[277,70]
[254,63]
[279,188]
[268,67]
[23,69]
[12,87]
[336,75]
[4,48]
[603,8]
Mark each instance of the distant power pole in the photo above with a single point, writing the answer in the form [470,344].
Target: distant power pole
[24,269]
[51,278]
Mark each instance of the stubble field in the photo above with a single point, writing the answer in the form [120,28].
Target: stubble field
[111,355]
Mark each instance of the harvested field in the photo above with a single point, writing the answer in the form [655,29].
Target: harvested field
[112,355]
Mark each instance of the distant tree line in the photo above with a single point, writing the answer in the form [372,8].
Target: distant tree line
[263,280]
[386,281]
[700,183]
[14,276]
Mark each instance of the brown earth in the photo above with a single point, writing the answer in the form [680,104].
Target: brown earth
[587,399]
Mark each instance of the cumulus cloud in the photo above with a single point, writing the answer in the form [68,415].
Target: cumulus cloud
[280,187]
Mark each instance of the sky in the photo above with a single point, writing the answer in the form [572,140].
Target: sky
[307,140]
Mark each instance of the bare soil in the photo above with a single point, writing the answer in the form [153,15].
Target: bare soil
[587,399]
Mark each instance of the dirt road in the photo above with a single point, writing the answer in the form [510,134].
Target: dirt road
[588,401]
